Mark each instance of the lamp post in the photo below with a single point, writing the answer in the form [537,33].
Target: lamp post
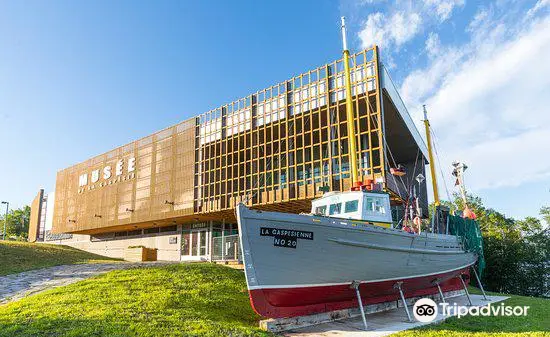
[5,219]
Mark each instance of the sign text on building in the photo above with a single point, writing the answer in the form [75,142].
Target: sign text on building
[122,171]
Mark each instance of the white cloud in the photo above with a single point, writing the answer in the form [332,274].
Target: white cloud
[390,32]
[538,6]
[404,21]
[443,8]
[489,102]
[421,83]
[480,17]
[433,45]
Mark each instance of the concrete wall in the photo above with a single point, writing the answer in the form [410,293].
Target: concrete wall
[116,247]
[50,204]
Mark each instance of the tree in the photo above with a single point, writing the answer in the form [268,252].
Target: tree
[17,223]
[517,252]
[545,214]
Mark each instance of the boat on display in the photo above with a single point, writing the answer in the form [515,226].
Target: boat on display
[350,251]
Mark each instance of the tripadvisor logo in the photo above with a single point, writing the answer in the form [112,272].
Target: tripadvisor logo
[426,310]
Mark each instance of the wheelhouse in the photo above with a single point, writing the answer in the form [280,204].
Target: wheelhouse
[358,205]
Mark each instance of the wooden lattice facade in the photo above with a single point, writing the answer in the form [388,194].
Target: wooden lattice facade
[275,149]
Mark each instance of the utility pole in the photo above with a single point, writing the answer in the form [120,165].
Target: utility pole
[5,219]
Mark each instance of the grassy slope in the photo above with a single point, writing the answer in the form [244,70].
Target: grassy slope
[198,300]
[536,323]
[174,300]
[16,257]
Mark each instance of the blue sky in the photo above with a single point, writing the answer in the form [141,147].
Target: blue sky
[80,78]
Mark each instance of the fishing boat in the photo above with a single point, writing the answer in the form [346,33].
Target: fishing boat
[348,250]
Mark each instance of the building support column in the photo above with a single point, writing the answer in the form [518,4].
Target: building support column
[223,239]
[210,241]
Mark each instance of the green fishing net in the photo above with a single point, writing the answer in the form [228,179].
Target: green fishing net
[470,234]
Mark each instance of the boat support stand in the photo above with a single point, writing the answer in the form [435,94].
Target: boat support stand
[479,282]
[355,285]
[398,286]
[437,281]
[465,288]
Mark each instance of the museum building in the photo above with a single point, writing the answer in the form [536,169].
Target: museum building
[276,149]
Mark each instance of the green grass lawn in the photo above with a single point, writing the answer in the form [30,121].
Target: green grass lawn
[175,300]
[198,300]
[536,323]
[16,257]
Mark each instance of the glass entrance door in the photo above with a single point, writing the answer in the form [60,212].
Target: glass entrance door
[195,244]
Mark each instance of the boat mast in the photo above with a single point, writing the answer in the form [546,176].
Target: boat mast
[350,116]
[430,154]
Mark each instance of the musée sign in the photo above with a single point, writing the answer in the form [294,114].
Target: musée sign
[123,170]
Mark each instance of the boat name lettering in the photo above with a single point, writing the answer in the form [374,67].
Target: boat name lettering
[266,231]
[285,237]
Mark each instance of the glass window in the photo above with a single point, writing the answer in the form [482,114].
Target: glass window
[351,206]
[370,204]
[379,207]
[185,241]
[151,230]
[321,210]
[173,228]
[202,243]
[134,232]
[376,205]
[194,243]
[335,209]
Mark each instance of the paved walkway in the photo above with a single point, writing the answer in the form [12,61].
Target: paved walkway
[16,286]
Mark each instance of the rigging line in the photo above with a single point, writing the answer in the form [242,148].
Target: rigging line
[409,187]
[439,164]
[414,168]
[331,133]
[392,157]
[395,164]
[410,178]
[329,145]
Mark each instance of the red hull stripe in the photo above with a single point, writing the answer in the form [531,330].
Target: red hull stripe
[299,301]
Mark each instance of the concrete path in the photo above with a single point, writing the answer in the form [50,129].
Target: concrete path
[16,286]
[382,323]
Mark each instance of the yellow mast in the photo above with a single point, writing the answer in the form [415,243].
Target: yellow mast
[431,157]
[349,111]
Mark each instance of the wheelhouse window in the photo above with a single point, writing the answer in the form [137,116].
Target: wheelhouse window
[321,210]
[376,205]
[351,206]
[335,209]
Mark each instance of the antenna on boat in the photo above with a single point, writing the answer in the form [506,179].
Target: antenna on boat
[431,157]
[458,172]
[350,116]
